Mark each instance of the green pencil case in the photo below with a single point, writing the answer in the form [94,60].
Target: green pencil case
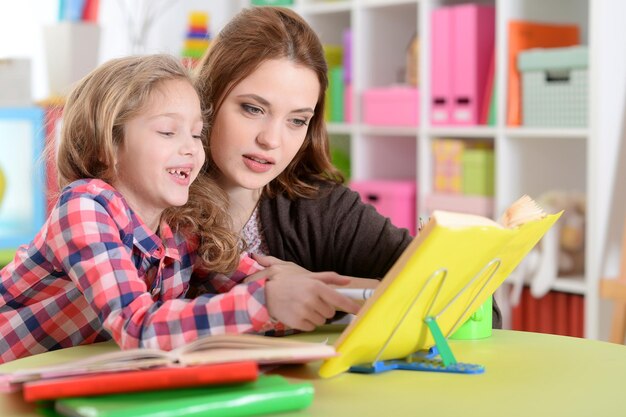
[269,394]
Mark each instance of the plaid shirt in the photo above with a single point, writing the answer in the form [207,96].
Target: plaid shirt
[96,272]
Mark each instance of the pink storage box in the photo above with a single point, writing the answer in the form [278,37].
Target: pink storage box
[391,106]
[395,199]
[480,205]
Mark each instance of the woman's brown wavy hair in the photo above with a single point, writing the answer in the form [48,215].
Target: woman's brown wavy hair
[93,127]
[252,37]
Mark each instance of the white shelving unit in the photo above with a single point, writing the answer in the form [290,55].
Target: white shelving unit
[528,160]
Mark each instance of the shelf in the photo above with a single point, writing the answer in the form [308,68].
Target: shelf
[389,130]
[387,3]
[326,7]
[528,160]
[463,132]
[573,285]
[546,133]
[339,128]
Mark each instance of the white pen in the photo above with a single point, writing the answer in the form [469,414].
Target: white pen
[356,293]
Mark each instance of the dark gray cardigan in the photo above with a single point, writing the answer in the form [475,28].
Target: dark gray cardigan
[335,232]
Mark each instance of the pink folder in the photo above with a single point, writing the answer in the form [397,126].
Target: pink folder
[473,43]
[441,66]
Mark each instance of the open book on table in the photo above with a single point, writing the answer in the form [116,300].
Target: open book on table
[454,264]
[210,349]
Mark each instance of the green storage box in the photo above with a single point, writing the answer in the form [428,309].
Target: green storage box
[335,95]
[478,172]
[554,86]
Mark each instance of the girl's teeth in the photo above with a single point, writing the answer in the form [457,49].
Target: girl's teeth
[180,174]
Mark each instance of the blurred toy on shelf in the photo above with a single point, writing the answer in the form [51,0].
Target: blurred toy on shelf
[198,37]
[571,239]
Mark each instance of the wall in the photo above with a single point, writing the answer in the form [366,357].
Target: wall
[21,28]
[22,22]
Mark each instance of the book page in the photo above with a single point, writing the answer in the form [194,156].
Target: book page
[261,355]
[238,347]
[106,362]
[455,220]
[522,211]
[239,341]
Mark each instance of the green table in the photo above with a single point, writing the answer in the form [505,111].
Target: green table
[527,374]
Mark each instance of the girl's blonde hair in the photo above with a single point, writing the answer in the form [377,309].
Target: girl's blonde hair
[93,127]
[252,37]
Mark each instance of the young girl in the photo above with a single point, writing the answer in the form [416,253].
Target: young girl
[131,225]
[265,78]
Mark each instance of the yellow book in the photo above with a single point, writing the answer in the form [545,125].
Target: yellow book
[451,268]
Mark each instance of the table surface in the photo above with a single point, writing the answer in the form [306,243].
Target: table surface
[6,256]
[527,374]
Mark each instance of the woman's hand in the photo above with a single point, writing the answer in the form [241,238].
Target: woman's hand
[276,268]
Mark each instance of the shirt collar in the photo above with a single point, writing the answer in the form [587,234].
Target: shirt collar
[153,245]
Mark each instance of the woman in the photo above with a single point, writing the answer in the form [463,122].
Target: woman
[265,77]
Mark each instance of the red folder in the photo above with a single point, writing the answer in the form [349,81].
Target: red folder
[546,313]
[517,316]
[531,311]
[140,380]
[526,35]
[577,319]
[561,314]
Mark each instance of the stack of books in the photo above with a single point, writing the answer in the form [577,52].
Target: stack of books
[215,375]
